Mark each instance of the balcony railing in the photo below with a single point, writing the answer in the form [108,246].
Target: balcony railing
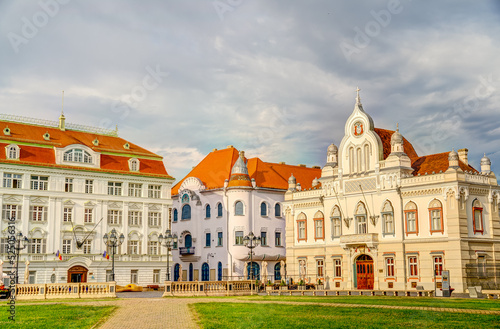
[186,251]
[369,239]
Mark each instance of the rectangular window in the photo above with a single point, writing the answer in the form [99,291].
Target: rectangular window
[336,227]
[134,274]
[39,182]
[66,246]
[361,227]
[154,218]
[114,217]
[135,218]
[12,180]
[109,276]
[4,246]
[219,239]
[388,220]
[319,268]
[478,220]
[38,213]
[436,220]
[88,216]
[318,229]
[301,227]
[153,248]
[38,246]
[87,247]
[238,238]
[481,266]
[389,267]
[156,276]
[337,267]
[277,239]
[133,247]
[154,191]
[412,263]
[11,211]
[114,188]
[135,190]
[263,238]
[68,185]
[438,265]
[67,214]
[411,221]
[207,239]
[89,186]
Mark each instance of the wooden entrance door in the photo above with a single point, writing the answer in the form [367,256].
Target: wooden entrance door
[364,272]
[77,274]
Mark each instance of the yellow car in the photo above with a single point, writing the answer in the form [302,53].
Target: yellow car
[128,287]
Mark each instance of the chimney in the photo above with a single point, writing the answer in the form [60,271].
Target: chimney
[462,155]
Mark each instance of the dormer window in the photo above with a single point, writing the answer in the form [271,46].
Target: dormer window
[6,131]
[12,152]
[77,155]
[46,136]
[133,164]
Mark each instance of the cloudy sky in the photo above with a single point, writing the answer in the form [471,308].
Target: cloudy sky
[274,78]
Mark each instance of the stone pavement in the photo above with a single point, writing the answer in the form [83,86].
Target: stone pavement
[174,312]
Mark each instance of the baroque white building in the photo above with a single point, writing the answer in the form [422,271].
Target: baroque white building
[223,199]
[387,218]
[66,186]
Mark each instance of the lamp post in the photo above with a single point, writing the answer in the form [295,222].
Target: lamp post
[251,241]
[169,242]
[20,239]
[113,241]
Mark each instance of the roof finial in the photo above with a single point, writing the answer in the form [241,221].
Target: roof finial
[358,100]
[397,126]
[62,106]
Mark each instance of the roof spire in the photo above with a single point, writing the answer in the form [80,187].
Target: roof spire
[358,100]
[397,126]
[62,119]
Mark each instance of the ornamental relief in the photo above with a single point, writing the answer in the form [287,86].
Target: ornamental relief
[478,191]
[313,204]
[433,191]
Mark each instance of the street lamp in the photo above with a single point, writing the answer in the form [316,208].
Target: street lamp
[20,239]
[169,242]
[251,241]
[113,241]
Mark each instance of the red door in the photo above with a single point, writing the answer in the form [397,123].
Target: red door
[364,272]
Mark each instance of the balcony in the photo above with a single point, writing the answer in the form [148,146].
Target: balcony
[186,251]
[368,239]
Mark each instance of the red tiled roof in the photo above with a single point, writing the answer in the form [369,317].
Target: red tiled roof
[436,163]
[385,136]
[37,151]
[216,167]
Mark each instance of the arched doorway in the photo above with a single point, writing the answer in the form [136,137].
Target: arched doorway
[190,271]
[176,272]
[205,272]
[364,272]
[188,241]
[219,271]
[253,271]
[77,274]
[277,271]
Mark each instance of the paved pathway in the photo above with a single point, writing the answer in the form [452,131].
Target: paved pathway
[174,312]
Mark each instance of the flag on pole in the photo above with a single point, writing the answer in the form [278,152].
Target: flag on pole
[58,255]
[105,255]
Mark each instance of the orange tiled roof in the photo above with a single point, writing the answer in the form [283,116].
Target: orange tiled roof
[216,167]
[385,136]
[436,163]
[37,151]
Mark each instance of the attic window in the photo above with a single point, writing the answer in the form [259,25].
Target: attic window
[46,136]
[77,155]
[12,152]
[95,142]
[6,131]
[133,164]
[126,146]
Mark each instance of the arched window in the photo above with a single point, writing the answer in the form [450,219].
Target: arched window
[263,209]
[238,208]
[190,271]
[358,160]
[185,198]
[302,227]
[436,216]
[12,152]
[351,160]
[360,217]
[77,155]
[477,219]
[205,272]
[186,212]
[277,272]
[188,241]
[367,157]
[176,272]
[219,209]
[207,211]
[176,215]
[133,165]
[319,226]
[277,210]
[336,222]
[219,271]
[253,271]
[387,218]
[411,218]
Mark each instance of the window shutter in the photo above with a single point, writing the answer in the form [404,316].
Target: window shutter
[44,214]
[44,246]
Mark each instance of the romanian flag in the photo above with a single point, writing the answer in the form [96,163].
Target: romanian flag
[105,255]
[58,255]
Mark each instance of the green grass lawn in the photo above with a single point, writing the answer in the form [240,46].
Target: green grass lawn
[241,315]
[54,316]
